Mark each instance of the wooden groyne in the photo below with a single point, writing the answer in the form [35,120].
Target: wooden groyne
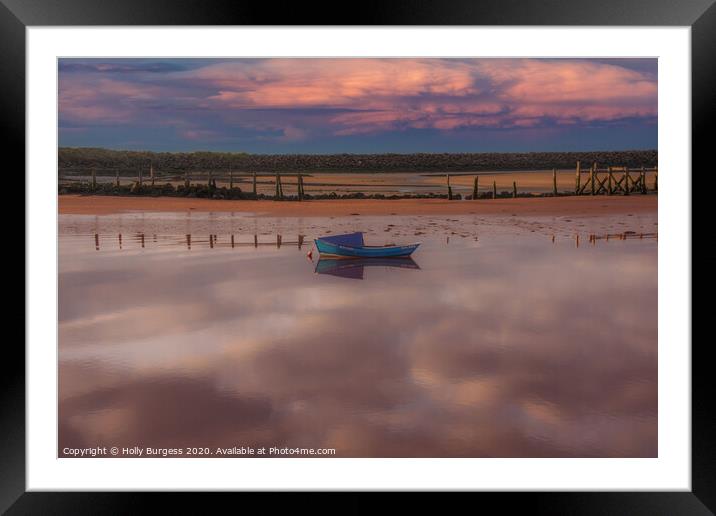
[613,180]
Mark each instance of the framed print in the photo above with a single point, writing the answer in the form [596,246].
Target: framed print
[443,248]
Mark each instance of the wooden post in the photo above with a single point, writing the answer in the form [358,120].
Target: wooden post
[256,240]
[151,172]
[278,241]
[278,186]
[514,189]
[596,174]
[554,181]
[577,180]
[232,240]
[643,181]
[609,183]
[140,176]
[254,182]
[231,179]
[474,188]
[626,181]
[116,177]
[601,184]
[94,179]
[188,241]
[186,179]
[299,180]
[494,189]
[449,188]
[592,171]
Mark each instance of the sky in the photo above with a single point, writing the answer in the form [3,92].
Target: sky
[366,105]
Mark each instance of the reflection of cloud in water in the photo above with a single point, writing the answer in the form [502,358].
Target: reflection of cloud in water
[503,350]
[160,412]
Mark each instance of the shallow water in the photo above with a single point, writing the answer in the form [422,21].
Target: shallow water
[502,338]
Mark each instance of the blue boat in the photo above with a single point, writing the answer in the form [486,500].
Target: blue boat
[352,245]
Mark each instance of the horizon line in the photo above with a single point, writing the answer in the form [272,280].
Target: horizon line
[355,153]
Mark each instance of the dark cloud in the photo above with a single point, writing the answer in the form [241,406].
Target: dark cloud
[117,68]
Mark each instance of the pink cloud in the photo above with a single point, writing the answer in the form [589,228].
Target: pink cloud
[572,90]
[441,94]
[84,99]
[536,81]
[357,96]
[287,83]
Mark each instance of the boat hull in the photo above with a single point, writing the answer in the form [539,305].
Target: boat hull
[328,248]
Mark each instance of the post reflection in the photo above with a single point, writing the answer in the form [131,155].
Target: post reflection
[233,242]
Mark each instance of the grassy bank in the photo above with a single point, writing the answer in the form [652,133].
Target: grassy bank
[76,160]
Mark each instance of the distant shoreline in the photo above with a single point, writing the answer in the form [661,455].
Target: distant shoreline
[538,206]
[77,160]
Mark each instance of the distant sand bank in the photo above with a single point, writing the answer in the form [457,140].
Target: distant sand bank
[584,205]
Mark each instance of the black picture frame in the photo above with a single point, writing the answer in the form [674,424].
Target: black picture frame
[700,15]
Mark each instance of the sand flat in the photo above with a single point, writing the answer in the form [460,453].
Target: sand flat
[584,205]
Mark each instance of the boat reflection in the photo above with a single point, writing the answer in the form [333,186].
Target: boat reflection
[352,268]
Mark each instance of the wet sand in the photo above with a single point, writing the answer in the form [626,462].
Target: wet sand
[576,206]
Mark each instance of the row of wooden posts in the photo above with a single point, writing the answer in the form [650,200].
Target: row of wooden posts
[598,181]
[211,182]
[475,187]
[278,190]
